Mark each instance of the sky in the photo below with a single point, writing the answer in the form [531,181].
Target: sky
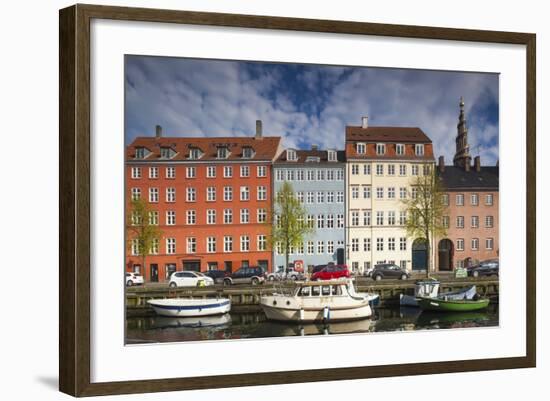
[307,104]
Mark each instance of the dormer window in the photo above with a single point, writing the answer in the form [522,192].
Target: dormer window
[361,148]
[400,149]
[223,152]
[140,152]
[331,155]
[419,149]
[291,155]
[313,159]
[248,152]
[165,152]
[195,153]
[380,149]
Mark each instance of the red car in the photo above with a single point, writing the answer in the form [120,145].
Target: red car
[330,272]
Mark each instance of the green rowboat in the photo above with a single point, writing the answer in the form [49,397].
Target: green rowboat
[465,305]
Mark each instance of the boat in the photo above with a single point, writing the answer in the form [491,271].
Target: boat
[430,289]
[452,305]
[185,307]
[317,301]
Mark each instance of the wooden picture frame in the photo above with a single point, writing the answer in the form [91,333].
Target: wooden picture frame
[74,203]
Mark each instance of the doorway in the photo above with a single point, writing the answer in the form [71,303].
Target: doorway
[420,254]
[445,254]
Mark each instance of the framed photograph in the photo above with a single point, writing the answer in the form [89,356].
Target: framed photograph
[335,197]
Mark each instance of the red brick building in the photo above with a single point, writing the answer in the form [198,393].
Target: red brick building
[210,198]
[472,197]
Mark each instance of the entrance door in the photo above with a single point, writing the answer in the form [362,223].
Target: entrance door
[193,265]
[445,254]
[154,273]
[419,254]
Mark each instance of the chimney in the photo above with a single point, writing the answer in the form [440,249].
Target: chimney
[314,147]
[258,129]
[441,165]
[158,131]
[477,163]
[364,122]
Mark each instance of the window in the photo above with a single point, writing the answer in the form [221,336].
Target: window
[445,199]
[366,169]
[194,153]
[321,221]
[300,197]
[340,197]
[474,199]
[227,171]
[355,192]
[210,216]
[403,243]
[136,172]
[489,221]
[191,172]
[136,218]
[355,244]
[391,169]
[155,245]
[191,217]
[459,199]
[310,248]
[211,194]
[154,218]
[391,193]
[310,197]
[340,174]
[445,221]
[414,192]
[489,199]
[475,221]
[170,195]
[419,149]
[153,195]
[379,218]
[391,244]
[460,222]
[311,175]
[228,244]
[460,244]
[245,243]
[311,221]
[331,155]
[320,175]
[402,218]
[261,215]
[414,169]
[366,192]
[475,244]
[320,197]
[223,152]
[354,169]
[262,193]
[191,245]
[330,197]
[291,155]
[227,194]
[489,243]
[248,152]
[427,169]
[170,246]
[380,149]
[245,171]
[379,169]
[245,194]
[400,149]
[402,169]
[366,217]
[379,244]
[300,249]
[402,192]
[379,193]
[170,172]
[245,216]
[340,221]
[361,148]
[330,221]
[320,247]
[140,153]
[354,218]
[391,218]
[211,172]
[330,247]
[261,242]
[153,172]
[261,171]
[366,244]
[170,218]
[191,195]
[227,216]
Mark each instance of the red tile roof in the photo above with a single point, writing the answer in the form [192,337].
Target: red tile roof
[266,148]
[386,134]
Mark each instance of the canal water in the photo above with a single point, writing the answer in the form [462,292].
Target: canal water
[254,325]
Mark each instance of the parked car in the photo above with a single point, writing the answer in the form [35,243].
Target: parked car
[289,274]
[246,275]
[189,279]
[330,272]
[217,275]
[485,268]
[388,270]
[133,279]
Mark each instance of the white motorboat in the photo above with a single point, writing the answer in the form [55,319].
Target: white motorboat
[313,301]
[183,307]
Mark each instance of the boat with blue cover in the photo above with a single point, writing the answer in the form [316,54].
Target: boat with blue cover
[183,307]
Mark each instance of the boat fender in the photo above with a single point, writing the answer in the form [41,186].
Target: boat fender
[302,315]
[274,302]
[326,313]
[288,302]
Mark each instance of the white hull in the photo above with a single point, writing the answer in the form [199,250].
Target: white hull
[317,315]
[181,307]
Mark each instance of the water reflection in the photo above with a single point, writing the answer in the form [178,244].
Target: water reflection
[255,325]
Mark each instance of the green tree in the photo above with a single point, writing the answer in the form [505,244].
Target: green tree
[142,234]
[425,208]
[289,218]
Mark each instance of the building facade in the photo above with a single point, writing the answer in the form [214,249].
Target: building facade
[472,197]
[381,164]
[317,178]
[210,198]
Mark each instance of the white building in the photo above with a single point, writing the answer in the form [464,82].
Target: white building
[381,163]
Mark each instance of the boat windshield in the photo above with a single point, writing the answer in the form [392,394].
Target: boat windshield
[315,291]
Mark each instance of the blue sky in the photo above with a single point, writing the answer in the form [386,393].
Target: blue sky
[306,104]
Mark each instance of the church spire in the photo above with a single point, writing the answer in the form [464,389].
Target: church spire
[462,156]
